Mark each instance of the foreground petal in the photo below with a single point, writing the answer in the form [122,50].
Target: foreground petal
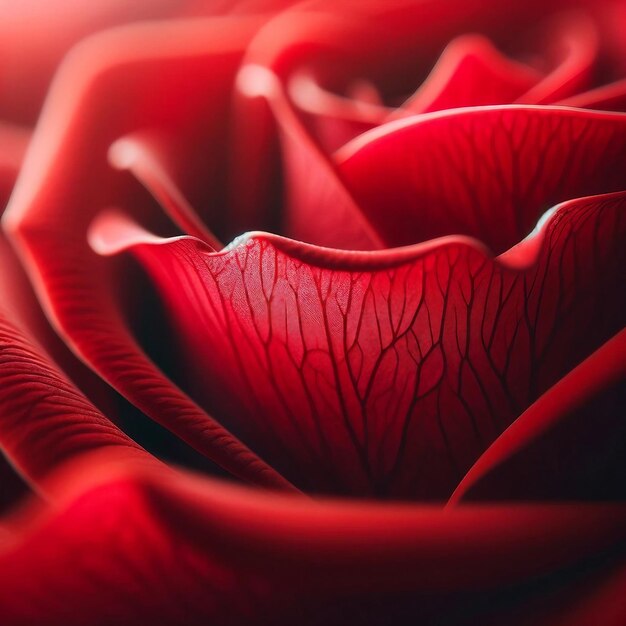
[134,546]
[386,372]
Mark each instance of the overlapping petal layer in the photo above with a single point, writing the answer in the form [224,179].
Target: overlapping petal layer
[611,97]
[136,546]
[322,56]
[471,71]
[569,445]
[385,373]
[154,74]
[44,419]
[97,329]
[485,172]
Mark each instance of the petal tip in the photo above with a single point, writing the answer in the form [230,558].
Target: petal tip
[256,81]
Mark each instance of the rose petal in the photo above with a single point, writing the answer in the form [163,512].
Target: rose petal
[143,155]
[611,97]
[569,445]
[45,421]
[311,178]
[472,171]
[13,142]
[603,604]
[365,40]
[487,172]
[137,546]
[12,488]
[35,35]
[155,73]
[574,41]
[384,373]
[335,119]
[470,72]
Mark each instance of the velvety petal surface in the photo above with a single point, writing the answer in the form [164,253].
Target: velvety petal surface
[45,421]
[471,71]
[485,172]
[369,41]
[569,445]
[312,184]
[164,77]
[389,372]
[136,546]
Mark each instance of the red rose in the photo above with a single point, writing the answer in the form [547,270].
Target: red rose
[437,328]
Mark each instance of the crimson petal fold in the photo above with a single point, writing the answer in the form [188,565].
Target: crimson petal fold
[384,372]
